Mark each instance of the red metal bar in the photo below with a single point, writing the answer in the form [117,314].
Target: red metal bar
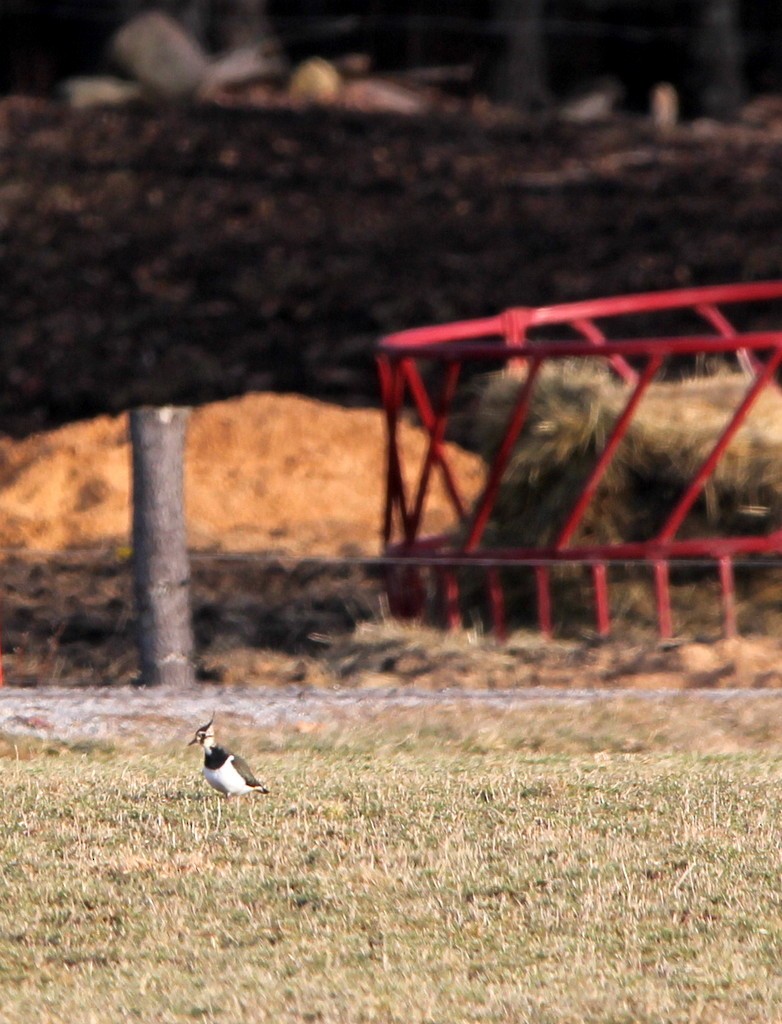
[486,501]
[497,604]
[589,309]
[593,333]
[435,550]
[663,597]
[429,420]
[434,452]
[679,514]
[721,323]
[450,584]
[405,591]
[446,348]
[386,373]
[716,318]
[728,595]
[602,606]
[543,587]
[677,298]
[515,323]
[418,391]
[460,330]
[503,340]
[395,488]
[614,440]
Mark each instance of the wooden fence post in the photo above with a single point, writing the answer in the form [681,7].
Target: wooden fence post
[161,568]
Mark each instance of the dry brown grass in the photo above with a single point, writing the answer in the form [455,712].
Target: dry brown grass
[561,866]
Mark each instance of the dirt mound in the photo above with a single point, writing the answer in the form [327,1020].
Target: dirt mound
[263,472]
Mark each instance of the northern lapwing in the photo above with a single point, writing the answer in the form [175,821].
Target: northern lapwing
[228,773]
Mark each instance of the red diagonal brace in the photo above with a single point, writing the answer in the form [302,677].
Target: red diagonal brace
[519,415]
[690,496]
[617,434]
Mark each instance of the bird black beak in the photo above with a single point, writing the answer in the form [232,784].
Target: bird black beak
[194,740]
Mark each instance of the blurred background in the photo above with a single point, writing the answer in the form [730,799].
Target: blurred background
[224,204]
[526,52]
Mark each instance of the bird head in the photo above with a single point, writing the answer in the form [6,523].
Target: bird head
[205,735]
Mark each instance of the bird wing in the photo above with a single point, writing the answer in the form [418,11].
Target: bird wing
[246,773]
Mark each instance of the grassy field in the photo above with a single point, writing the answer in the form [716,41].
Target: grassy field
[611,863]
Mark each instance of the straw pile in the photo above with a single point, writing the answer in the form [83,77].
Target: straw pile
[573,410]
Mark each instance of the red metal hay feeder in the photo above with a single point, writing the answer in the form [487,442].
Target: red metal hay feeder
[443,351]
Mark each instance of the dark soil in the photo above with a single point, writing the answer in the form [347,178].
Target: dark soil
[69,619]
[191,254]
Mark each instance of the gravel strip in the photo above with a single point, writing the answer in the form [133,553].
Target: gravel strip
[111,712]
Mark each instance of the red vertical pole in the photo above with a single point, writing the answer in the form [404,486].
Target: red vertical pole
[602,608]
[728,595]
[392,388]
[497,604]
[544,600]
[663,592]
[406,592]
[451,596]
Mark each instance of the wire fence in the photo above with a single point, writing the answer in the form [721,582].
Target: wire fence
[377,562]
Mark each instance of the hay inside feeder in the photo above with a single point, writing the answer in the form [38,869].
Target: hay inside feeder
[574,407]
[573,410]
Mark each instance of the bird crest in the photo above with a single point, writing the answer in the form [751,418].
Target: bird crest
[205,734]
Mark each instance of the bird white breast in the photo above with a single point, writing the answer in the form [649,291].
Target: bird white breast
[226,779]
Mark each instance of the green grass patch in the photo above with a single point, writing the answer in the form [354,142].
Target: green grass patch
[421,869]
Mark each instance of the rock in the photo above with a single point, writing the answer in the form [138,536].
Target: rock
[159,54]
[315,79]
[98,90]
